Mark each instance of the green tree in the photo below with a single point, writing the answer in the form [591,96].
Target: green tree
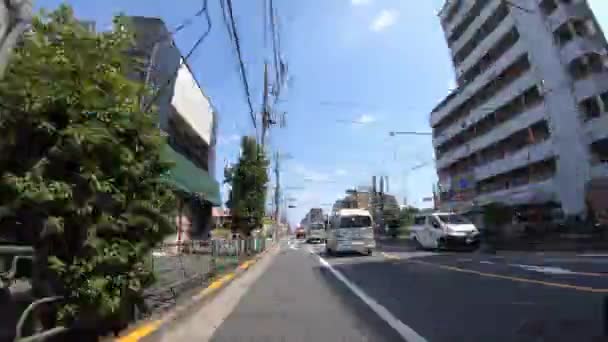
[407,215]
[80,172]
[248,180]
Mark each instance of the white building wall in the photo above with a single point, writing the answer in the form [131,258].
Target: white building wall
[564,120]
[191,103]
[570,135]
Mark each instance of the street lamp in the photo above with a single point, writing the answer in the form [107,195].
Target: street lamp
[393,133]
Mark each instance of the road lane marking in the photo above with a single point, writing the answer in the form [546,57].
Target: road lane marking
[486,262]
[390,256]
[403,330]
[557,270]
[517,279]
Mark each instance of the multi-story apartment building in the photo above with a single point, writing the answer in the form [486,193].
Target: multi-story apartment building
[188,118]
[528,122]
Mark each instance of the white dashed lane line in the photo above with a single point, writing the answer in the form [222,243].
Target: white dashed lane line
[407,333]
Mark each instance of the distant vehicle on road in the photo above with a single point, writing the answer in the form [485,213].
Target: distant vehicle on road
[315,233]
[351,230]
[300,233]
[444,230]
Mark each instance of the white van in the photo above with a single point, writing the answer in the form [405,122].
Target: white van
[351,230]
[315,232]
[444,230]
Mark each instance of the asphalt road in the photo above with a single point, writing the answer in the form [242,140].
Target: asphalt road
[403,294]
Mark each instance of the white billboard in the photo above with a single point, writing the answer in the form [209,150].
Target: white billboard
[191,103]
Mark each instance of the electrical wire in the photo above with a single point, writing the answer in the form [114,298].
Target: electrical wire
[231,26]
[204,10]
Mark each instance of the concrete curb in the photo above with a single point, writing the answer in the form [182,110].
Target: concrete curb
[148,327]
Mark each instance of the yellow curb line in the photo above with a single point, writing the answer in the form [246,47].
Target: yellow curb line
[150,327]
[141,332]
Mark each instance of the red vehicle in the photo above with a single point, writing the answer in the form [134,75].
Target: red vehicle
[300,233]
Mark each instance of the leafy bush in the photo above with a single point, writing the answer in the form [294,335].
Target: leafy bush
[80,172]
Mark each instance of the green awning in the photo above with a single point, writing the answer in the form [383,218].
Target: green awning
[187,177]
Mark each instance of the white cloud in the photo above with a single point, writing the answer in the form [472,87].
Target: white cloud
[340,172]
[452,84]
[310,175]
[384,20]
[360,2]
[366,119]
[228,139]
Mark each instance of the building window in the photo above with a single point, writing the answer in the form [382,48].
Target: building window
[529,174]
[594,106]
[510,74]
[452,12]
[599,151]
[468,19]
[486,29]
[548,6]
[488,60]
[587,65]
[574,28]
[528,100]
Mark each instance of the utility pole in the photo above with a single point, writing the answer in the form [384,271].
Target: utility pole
[382,203]
[15,16]
[277,194]
[265,114]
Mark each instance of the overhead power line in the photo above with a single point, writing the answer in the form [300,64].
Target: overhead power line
[231,26]
[204,10]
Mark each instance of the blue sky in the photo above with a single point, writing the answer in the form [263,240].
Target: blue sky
[382,63]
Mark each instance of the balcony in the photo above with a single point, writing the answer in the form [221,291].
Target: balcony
[481,81]
[490,40]
[580,46]
[599,170]
[564,12]
[465,7]
[593,85]
[527,155]
[503,97]
[541,192]
[506,129]
[596,129]
[472,29]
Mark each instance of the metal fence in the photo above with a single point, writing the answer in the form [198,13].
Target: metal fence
[185,266]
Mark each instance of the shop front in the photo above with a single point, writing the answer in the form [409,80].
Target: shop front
[197,193]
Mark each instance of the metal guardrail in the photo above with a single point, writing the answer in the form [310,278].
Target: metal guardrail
[41,336]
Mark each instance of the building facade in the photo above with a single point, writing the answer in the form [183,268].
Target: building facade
[527,124]
[189,120]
